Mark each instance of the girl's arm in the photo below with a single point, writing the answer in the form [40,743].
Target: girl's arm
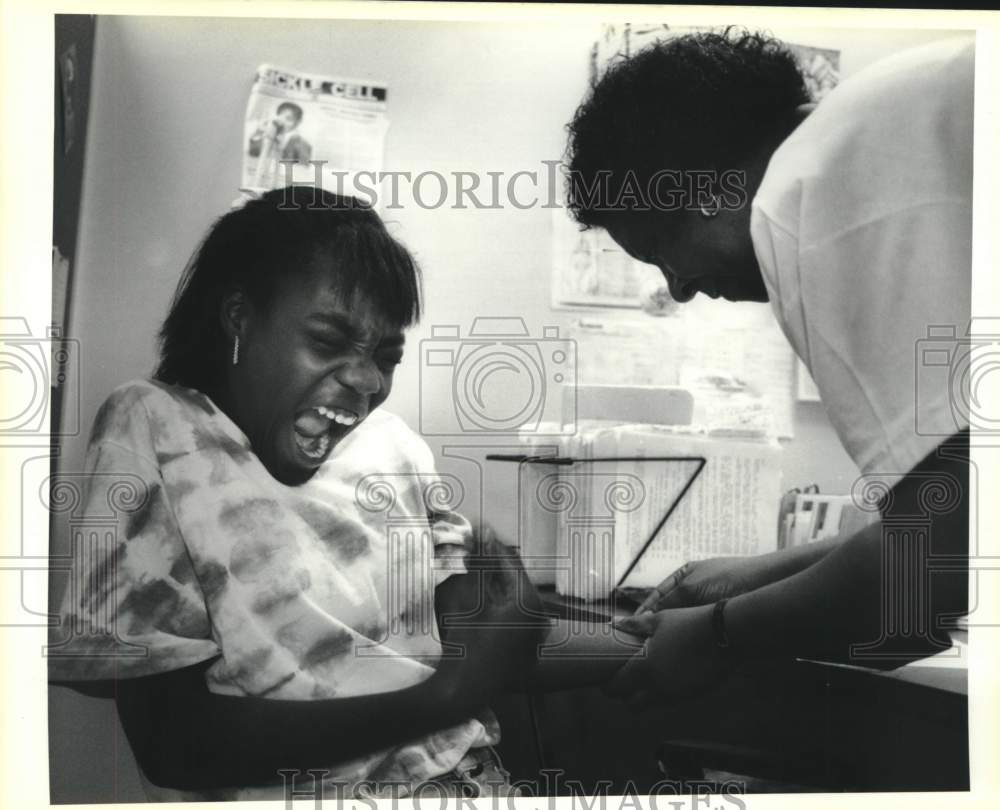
[579,653]
[570,653]
[188,738]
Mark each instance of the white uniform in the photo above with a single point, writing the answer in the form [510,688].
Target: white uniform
[863,230]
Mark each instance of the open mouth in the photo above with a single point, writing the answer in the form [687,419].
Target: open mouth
[317,429]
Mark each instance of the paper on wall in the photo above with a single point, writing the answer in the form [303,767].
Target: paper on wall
[640,351]
[590,269]
[756,351]
[295,119]
[683,349]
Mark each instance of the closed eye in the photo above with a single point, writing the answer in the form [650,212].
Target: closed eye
[328,344]
[390,360]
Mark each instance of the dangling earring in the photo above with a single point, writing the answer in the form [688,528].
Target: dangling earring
[236,350]
[711,212]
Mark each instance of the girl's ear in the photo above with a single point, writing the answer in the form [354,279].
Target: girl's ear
[234,312]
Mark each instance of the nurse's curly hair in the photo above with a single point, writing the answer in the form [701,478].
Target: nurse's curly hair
[701,101]
[271,239]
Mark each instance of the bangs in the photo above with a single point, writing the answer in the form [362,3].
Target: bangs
[350,239]
[268,241]
[367,261]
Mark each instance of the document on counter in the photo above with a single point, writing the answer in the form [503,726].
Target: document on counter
[606,511]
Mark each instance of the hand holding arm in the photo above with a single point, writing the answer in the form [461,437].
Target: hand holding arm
[704,582]
[824,610]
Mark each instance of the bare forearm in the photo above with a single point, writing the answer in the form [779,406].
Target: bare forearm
[848,597]
[818,611]
[788,561]
[579,653]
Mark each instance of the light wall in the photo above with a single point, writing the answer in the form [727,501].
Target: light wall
[163,160]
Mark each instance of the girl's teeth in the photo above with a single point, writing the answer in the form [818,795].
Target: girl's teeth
[340,417]
[320,451]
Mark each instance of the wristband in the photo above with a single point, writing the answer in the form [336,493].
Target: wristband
[719,625]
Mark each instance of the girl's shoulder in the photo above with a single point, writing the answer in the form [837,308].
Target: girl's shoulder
[147,416]
[387,437]
[143,398]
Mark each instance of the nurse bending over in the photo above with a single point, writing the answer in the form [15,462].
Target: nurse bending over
[704,155]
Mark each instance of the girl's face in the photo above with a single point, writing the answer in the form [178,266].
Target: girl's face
[311,367]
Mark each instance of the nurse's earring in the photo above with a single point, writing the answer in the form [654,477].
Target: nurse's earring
[236,350]
[713,210]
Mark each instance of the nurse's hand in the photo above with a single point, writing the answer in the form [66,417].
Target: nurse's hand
[705,582]
[680,658]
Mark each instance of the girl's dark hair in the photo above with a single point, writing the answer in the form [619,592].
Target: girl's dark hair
[269,240]
[701,101]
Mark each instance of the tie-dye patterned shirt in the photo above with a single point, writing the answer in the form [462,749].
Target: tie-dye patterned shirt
[323,590]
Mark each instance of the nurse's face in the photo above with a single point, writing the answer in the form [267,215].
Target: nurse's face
[312,366]
[696,254]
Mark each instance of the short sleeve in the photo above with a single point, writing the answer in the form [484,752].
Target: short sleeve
[132,604]
[386,443]
[862,226]
[907,278]
[452,534]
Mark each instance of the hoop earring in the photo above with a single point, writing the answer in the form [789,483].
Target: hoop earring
[236,350]
[711,212]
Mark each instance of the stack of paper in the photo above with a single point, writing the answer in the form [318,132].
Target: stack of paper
[607,504]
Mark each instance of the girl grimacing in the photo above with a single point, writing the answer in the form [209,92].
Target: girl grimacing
[249,610]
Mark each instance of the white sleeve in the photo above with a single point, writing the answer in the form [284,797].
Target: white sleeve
[450,531]
[873,299]
[452,534]
[132,605]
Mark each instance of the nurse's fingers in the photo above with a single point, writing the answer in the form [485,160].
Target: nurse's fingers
[676,597]
[661,597]
[648,604]
[644,625]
